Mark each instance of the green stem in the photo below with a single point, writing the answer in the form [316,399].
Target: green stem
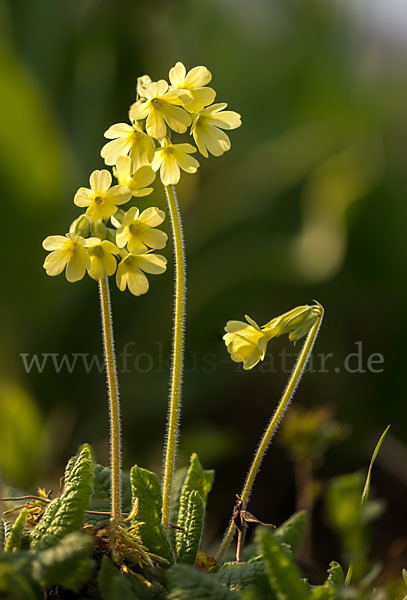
[114,405]
[177,352]
[272,427]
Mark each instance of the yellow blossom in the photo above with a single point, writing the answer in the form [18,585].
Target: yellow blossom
[128,139]
[207,128]
[102,260]
[101,199]
[136,180]
[170,158]
[67,251]
[246,342]
[162,106]
[195,81]
[136,230]
[130,272]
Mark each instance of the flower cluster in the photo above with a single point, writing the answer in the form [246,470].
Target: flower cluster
[105,239]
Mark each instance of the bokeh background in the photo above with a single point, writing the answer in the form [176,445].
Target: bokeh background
[309,203]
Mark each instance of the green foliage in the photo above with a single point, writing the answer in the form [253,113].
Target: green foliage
[187,583]
[179,479]
[100,499]
[67,564]
[2,534]
[147,492]
[191,537]
[112,584]
[290,532]
[240,575]
[197,479]
[65,514]
[15,536]
[14,585]
[336,575]
[283,573]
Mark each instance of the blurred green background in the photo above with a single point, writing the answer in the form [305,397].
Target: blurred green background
[309,203]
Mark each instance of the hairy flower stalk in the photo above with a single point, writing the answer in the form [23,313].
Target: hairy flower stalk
[177,352]
[114,406]
[273,424]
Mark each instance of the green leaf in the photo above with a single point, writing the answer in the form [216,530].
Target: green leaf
[240,575]
[291,531]
[179,479]
[13,541]
[67,564]
[2,534]
[147,491]
[196,479]
[187,583]
[322,592]
[191,537]
[284,576]
[112,584]
[65,514]
[366,489]
[336,575]
[16,585]
[100,499]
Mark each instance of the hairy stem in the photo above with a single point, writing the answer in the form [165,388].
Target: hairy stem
[114,406]
[177,352]
[272,426]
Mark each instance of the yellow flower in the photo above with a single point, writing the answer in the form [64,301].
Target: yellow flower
[128,139]
[170,158]
[207,128]
[246,342]
[136,180]
[67,251]
[194,81]
[102,260]
[130,272]
[101,199]
[162,106]
[136,230]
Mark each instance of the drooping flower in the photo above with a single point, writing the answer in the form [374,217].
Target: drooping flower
[101,199]
[195,81]
[170,158]
[67,251]
[136,180]
[128,139]
[162,107]
[102,259]
[245,342]
[130,272]
[137,230]
[207,128]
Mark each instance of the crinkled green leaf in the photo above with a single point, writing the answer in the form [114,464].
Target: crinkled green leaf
[67,564]
[284,576]
[13,541]
[291,531]
[187,583]
[15,578]
[191,537]
[197,479]
[65,514]
[336,575]
[100,499]
[240,575]
[179,479]
[146,489]
[112,584]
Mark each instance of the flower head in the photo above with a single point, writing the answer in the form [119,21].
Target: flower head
[194,81]
[246,342]
[101,254]
[136,180]
[162,106]
[137,230]
[127,139]
[101,199]
[67,251]
[170,158]
[130,272]
[207,128]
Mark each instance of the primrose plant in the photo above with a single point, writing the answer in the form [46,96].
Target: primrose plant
[139,528]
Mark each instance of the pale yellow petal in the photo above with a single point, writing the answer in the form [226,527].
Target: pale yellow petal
[228,119]
[138,110]
[96,269]
[142,150]
[77,265]
[137,283]
[118,194]
[100,181]
[84,197]
[156,89]
[112,150]
[55,262]
[123,170]
[181,97]
[201,98]
[197,77]
[157,160]
[186,162]
[142,177]
[136,245]
[54,242]
[109,247]
[177,75]
[152,263]
[152,216]
[154,238]
[122,236]
[118,130]
[155,124]
[212,138]
[169,172]
[176,117]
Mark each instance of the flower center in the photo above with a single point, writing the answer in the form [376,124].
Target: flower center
[135,228]
[98,199]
